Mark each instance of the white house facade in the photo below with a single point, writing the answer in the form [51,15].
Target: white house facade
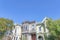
[16,32]
[30,30]
[41,29]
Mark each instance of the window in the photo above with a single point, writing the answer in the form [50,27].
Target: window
[25,27]
[16,38]
[39,28]
[32,26]
[15,30]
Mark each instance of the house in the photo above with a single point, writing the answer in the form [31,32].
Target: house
[28,30]
[16,32]
[41,29]
[32,30]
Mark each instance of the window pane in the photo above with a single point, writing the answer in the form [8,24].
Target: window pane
[39,28]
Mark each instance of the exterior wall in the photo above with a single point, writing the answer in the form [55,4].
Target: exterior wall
[29,37]
[26,36]
[32,28]
[37,29]
[16,32]
[7,35]
[39,32]
[25,28]
[43,29]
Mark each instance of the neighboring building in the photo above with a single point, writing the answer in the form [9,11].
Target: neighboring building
[8,35]
[41,29]
[16,32]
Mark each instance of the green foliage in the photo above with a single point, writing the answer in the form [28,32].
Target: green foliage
[54,29]
[5,24]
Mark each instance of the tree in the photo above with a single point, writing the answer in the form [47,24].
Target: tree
[5,24]
[54,29]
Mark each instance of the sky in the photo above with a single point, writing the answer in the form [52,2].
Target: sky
[23,10]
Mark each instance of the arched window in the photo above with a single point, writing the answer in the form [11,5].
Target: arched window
[40,38]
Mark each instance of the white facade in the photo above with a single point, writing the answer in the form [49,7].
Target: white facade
[30,30]
[16,32]
[40,32]
[37,29]
[41,29]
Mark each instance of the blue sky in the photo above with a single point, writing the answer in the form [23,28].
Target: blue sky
[21,10]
